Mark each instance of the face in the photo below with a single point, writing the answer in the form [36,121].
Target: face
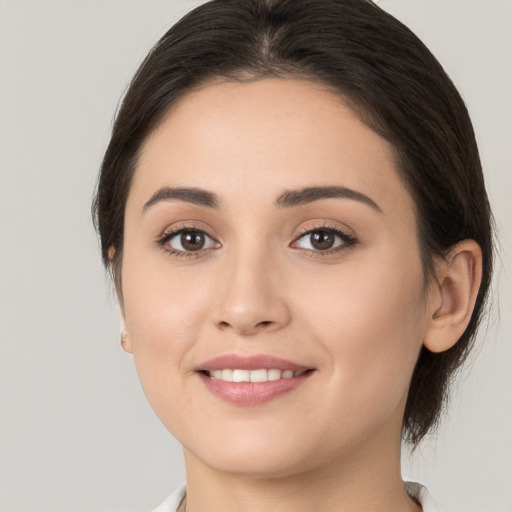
[273,290]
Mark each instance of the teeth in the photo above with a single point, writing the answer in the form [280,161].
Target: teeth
[227,375]
[274,374]
[241,376]
[260,375]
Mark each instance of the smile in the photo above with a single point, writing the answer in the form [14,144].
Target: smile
[259,375]
[251,380]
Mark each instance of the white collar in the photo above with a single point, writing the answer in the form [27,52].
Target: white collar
[420,493]
[415,490]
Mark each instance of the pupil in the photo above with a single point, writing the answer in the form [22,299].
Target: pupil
[192,240]
[322,240]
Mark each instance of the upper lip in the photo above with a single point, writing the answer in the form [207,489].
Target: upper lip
[254,362]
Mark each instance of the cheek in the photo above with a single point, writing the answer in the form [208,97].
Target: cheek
[370,323]
[163,317]
[161,306]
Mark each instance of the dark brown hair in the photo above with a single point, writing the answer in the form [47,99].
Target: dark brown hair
[375,64]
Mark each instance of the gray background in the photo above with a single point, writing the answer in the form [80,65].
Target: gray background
[76,433]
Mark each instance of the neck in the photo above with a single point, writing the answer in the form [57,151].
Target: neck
[355,482]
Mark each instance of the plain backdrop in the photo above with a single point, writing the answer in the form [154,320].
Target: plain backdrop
[76,433]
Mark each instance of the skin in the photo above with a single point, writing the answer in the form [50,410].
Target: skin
[358,314]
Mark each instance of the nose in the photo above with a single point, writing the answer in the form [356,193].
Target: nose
[250,296]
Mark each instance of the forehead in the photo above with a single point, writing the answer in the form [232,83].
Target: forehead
[258,138]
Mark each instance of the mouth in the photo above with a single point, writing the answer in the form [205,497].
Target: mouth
[258,375]
[253,380]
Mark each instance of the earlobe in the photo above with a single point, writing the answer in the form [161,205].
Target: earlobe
[454,298]
[111,253]
[126,343]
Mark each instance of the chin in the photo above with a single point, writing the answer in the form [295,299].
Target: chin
[250,465]
[251,456]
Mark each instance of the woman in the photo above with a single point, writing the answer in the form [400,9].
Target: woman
[293,210]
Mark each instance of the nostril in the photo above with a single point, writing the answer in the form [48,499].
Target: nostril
[245,329]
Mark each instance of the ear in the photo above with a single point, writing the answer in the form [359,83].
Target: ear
[111,253]
[126,342]
[452,297]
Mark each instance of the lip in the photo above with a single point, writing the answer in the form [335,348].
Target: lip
[247,394]
[254,362]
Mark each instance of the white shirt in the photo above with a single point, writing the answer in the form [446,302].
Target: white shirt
[417,491]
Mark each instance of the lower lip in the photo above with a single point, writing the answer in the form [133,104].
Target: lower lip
[252,393]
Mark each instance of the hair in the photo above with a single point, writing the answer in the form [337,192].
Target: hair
[383,72]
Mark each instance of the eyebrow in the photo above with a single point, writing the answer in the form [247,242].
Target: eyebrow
[287,199]
[292,198]
[189,195]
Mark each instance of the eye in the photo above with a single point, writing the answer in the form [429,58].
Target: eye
[324,240]
[187,240]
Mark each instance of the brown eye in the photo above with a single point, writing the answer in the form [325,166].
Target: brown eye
[192,240]
[189,240]
[322,240]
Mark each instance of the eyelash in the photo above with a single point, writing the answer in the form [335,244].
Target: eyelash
[169,235]
[348,241]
